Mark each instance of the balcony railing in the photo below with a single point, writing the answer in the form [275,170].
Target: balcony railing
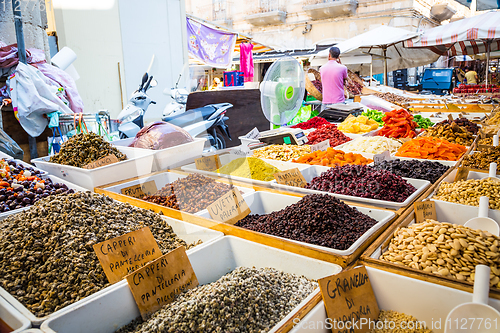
[219,11]
[267,12]
[322,9]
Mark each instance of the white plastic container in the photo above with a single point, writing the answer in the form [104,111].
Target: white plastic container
[117,307]
[172,157]
[226,158]
[186,231]
[139,162]
[27,165]
[428,302]
[315,171]
[266,202]
[13,318]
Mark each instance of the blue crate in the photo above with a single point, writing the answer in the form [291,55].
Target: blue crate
[233,79]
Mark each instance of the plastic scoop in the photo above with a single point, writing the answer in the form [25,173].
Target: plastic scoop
[478,308]
[492,174]
[495,140]
[483,222]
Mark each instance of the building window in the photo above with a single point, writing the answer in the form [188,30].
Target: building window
[219,10]
[269,5]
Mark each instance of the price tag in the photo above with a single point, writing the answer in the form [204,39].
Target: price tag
[208,163]
[323,145]
[462,174]
[157,283]
[106,160]
[424,210]
[230,208]
[122,255]
[385,156]
[349,300]
[253,134]
[140,190]
[242,151]
[450,118]
[292,177]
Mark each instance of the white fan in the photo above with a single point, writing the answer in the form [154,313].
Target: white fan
[282,91]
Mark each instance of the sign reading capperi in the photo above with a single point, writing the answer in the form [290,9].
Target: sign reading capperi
[424,210]
[292,177]
[157,283]
[230,208]
[208,163]
[349,300]
[122,255]
[323,145]
[140,190]
[106,160]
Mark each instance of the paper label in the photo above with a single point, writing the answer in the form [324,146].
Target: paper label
[450,118]
[157,283]
[385,156]
[462,174]
[424,210]
[323,145]
[106,160]
[122,255]
[230,208]
[140,190]
[253,134]
[349,300]
[292,177]
[208,163]
[242,151]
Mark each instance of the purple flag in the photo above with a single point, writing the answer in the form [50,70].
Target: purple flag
[211,46]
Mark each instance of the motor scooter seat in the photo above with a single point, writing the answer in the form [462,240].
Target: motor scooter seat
[190,116]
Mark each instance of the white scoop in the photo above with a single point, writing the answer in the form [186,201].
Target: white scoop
[495,140]
[483,222]
[460,318]
[492,174]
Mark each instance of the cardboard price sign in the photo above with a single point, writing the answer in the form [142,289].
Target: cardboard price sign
[230,208]
[140,190]
[450,118]
[323,145]
[106,160]
[424,210]
[292,177]
[462,174]
[157,283]
[349,300]
[385,156]
[253,134]
[208,163]
[122,255]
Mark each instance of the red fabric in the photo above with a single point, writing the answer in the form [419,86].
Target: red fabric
[246,61]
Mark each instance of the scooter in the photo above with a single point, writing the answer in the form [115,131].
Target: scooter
[178,105]
[131,118]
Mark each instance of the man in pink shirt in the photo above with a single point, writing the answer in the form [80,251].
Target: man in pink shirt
[333,78]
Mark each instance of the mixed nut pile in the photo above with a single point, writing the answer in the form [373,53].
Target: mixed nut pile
[481,160]
[468,192]
[245,300]
[282,152]
[46,257]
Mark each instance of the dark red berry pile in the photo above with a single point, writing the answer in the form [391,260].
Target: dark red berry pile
[328,132]
[314,122]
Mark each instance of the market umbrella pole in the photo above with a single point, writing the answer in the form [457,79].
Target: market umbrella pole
[384,49]
[21,53]
[487,62]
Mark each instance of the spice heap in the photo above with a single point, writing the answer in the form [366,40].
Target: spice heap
[398,320]
[83,149]
[358,125]
[327,132]
[281,152]
[319,219]
[372,145]
[481,160]
[425,170]
[249,167]
[314,122]
[46,257]
[374,115]
[398,124]
[422,122]
[485,141]
[191,194]
[446,249]
[332,158]
[451,133]
[394,99]
[468,192]
[364,182]
[255,299]
[431,149]
[463,122]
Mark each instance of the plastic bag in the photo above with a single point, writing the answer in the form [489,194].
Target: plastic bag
[160,135]
[305,113]
[32,97]
[9,146]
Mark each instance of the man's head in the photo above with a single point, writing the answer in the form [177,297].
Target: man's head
[334,53]
[467,69]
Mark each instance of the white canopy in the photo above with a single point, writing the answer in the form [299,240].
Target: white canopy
[378,42]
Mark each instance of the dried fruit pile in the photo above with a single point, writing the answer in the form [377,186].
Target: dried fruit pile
[319,219]
[431,149]
[394,99]
[332,158]
[314,122]
[358,125]
[426,170]
[364,182]
[398,124]
[463,122]
[373,145]
[328,132]
[281,152]
[451,133]
[481,160]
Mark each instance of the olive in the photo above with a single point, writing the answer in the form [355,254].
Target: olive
[59,191]
[45,194]
[26,184]
[39,191]
[71,191]
[19,189]
[2,197]
[8,202]
[56,185]
[9,192]
[20,196]
[31,195]
[13,205]
[19,206]
[2,191]
[11,197]
[13,163]
[27,200]
[6,209]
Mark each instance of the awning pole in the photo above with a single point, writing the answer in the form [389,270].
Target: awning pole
[371,71]
[487,61]
[384,49]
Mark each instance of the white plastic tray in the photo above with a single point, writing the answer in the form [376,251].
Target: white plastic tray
[423,300]
[161,180]
[13,318]
[117,307]
[315,171]
[171,157]
[226,158]
[266,202]
[139,162]
[186,231]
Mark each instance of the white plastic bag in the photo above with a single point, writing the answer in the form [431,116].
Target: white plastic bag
[32,97]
